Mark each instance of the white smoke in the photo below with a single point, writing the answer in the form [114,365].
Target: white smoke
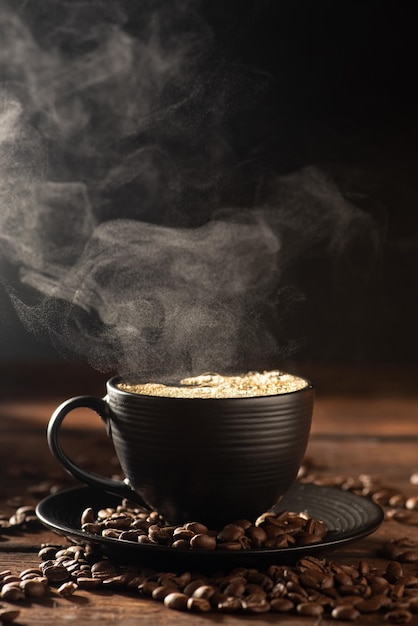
[115,244]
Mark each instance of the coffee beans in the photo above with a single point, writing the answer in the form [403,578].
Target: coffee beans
[24,518]
[8,615]
[270,530]
[176,600]
[313,587]
[398,505]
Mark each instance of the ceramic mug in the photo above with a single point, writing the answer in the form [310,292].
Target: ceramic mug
[212,460]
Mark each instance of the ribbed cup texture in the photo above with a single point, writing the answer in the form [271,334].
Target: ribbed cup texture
[211,460]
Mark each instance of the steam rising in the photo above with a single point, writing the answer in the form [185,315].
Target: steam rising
[113,155]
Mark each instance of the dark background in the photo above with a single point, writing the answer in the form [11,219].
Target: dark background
[342,98]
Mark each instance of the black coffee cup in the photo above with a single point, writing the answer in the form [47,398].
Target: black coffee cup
[213,460]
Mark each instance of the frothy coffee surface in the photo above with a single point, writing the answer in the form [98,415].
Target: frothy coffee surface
[249,385]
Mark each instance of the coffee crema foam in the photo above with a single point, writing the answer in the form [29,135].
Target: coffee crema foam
[249,385]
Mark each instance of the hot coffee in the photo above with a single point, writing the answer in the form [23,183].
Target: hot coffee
[249,385]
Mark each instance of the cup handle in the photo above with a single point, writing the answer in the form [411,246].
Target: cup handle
[99,406]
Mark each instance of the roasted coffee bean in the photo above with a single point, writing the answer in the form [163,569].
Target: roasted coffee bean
[33,588]
[193,585]
[153,517]
[85,582]
[398,590]
[311,609]
[272,530]
[313,579]
[198,604]
[129,535]
[204,591]
[403,516]
[105,513]
[203,542]
[398,616]
[22,515]
[140,524]
[133,583]
[92,527]
[159,593]
[183,533]
[8,615]
[315,527]
[254,576]
[254,588]
[11,593]
[279,590]
[378,584]
[243,523]
[196,527]
[412,503]
[116,582]
[277,541]
[176,600]
[245,543]
[147,587]
[257,535]
[398,500]
[229,605]
[111,533]
[393,572]
[255,604]
[363,568]
[65,552]
[167,578]
[119,523]
[230,533]
[88,516]
[409,580]
[281,605]
[67,589]
[350,570]
[235,588]
[345,613]
[311,563]
[11,578]
[160,534]
[293,587]
[343,579]
[144,539]
[103,569]
[75,567]
[408,556]
[371,605]
[181,544]
[56,573]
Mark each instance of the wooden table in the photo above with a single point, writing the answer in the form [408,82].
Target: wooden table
[365,422]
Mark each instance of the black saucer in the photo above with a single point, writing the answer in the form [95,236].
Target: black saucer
[347,516]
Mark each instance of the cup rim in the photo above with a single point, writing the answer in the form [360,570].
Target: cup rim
[112,383]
